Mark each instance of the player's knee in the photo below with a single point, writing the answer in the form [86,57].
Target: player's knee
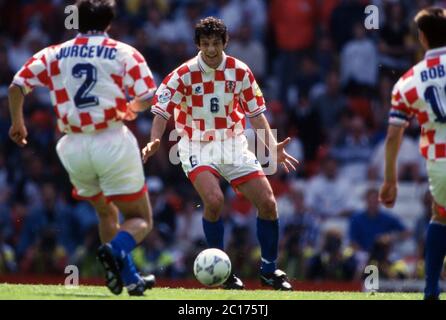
[214,203]
[146,226]
[268,208]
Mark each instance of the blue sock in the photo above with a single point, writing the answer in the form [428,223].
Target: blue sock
[435,250]
[129,273]
[268,236]
[214,232]
[123,244]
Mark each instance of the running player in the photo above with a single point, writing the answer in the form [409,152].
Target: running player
[421,92]
[88,78]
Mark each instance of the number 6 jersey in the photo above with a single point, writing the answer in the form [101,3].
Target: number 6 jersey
[89,78]
[209,104]
[421,92]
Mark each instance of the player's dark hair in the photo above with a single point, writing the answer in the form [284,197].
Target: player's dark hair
[211,26]
[95,15]
[432,22]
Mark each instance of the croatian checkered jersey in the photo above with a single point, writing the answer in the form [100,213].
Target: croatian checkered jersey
[89,78]
[421,92]
[209,104]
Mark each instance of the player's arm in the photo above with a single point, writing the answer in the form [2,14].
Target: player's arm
[158,128]
[137,105]
[32,74]
[388,190]
[17,132]
[399,117]
[166,98]
[263,130]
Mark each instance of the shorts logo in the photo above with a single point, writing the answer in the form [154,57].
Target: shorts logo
[164,96]
[230,86]
[193,161]
[198,90]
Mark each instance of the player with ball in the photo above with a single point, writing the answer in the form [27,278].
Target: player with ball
[210,97]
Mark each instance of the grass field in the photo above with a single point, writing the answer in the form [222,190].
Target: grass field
[52,292]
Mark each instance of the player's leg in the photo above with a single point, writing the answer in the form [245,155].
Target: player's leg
[435,246]
[115,155]
[208,187]
[108,216]
[259,192]
[137,223]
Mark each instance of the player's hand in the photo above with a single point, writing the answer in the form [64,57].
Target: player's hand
[18,134]
[288,162]
[150,149]
[388,193]
[130,115]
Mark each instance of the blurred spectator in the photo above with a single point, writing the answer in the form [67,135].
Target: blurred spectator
[242,252]
[306,120]
[189,228]
[328,192]
[85,255]
[164,214]
[373,223]
[394,47]
[332,263]
[359,63]
[299,233]
[52,217]
[345,16]
[330,104]
[45,255]
[246,48]
[353,151]
[380,256]
[294,26]
[153,256]
[8,262]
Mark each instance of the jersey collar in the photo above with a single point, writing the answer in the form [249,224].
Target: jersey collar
[435,52]
[92,34]
[205,68]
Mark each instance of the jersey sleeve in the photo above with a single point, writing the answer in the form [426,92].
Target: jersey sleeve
[251,96]
[400,111]
[169,94]
[33,73]
[138,77]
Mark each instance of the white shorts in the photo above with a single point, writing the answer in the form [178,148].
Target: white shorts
[436,171]
[106,162]
[230,159]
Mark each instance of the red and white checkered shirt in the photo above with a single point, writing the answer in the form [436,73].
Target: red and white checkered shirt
[421,92]
[209,104]
[89,78]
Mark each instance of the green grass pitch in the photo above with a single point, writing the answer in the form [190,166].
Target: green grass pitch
[60,292]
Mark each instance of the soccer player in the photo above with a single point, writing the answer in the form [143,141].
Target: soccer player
[209,96]
[88,78]
[421,92]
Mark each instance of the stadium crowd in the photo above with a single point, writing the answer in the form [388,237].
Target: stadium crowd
[327,82]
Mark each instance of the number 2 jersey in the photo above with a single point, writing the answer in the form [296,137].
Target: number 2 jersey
[89,78]
[209,104]
[421,92]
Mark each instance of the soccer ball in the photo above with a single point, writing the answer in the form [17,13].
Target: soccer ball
[212,267]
